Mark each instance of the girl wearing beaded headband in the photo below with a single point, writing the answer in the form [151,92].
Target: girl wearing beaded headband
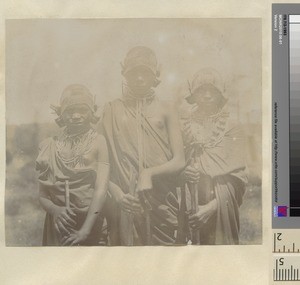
[146,153]
[215,171]
[73,173]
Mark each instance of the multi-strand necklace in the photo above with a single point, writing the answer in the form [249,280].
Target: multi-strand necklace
[72,147]
[207,131]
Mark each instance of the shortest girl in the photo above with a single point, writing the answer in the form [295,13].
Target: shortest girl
[73,173]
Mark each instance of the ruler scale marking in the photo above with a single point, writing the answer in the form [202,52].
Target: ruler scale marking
[276,269]
[279,274]
[286,266]
[279,278]
[293,247]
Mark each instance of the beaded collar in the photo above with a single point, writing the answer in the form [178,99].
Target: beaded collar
[208,131]
[129,95]
[72,148]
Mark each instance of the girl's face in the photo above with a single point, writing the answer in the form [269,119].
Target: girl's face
[208,98]
[140,80]
[77,117]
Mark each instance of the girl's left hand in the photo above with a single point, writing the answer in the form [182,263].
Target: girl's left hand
[203,214]
[75,238]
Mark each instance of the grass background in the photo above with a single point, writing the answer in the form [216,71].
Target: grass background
[24,217]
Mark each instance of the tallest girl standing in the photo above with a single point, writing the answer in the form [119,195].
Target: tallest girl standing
[146,153]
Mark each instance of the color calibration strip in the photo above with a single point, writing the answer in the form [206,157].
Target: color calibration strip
[294,76]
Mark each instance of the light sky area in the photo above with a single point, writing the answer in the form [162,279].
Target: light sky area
[44,56]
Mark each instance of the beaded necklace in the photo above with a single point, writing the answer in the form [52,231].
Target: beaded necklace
[208,131]
[72,148]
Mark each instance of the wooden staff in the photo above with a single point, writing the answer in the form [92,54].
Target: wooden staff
[67,194]
[142,156]
[194,188]
[132,187]
[148,228]
[147,208]
[194,201]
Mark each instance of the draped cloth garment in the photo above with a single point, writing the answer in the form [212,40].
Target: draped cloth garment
[120,124]
[53,172]
[219,151]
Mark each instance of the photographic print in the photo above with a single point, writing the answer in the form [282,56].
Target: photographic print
[133,132]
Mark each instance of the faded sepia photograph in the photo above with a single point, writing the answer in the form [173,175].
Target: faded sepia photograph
[133,132]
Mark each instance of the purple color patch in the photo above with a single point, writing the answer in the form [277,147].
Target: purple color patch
[282,211]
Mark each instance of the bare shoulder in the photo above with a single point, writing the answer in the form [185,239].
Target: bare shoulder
[99,150]
[100,141]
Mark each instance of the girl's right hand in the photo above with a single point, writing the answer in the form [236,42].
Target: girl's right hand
[191,174]
[64,219]
[130,204]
